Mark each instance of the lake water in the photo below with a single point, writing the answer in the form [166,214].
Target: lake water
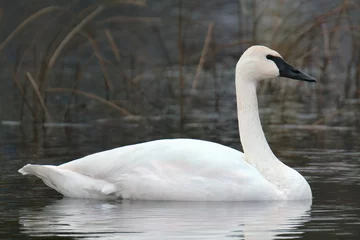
[328,157]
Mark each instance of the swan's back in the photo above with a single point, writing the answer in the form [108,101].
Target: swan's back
[186,155]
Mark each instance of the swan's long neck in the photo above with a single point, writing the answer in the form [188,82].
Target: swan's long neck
[256,149]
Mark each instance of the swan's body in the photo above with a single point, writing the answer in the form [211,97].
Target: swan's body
[187,169]
[178,169]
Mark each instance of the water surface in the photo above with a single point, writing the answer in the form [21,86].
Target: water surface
[328,157]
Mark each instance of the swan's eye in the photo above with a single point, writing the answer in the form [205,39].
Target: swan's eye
[269,57]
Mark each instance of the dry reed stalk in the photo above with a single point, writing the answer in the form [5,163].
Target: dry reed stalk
[354,54]
[33,42]
[108,83]
[303,29]
[307,54]
[38,94]
[329,42]
[91,96]
[135,81]
[231,44]
[139,3]
[39,70]
[89,59]
[124,19]
[216,89]
[162,45]
[138,78]
[181,63]
[327,118]
[240,20]
[101,57]
[282,22]
[20,88]
[72,33]
[114,48]
[27,21]
[357,77]
[203,56]
[326,44]
[78,76]
[73,21]
[94,44]
[94,54]
[256,20]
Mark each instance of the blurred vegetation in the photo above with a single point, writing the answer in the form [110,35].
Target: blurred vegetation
[76,61]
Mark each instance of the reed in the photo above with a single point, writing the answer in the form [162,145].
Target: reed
[136,66]
[38,95]
[203,56]
[181,63]
[123,111]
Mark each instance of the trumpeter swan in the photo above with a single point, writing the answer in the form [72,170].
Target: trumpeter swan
[189,169]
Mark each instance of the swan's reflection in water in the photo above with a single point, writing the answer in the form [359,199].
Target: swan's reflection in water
[166,220]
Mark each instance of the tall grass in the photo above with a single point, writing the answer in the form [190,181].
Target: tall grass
[112,53]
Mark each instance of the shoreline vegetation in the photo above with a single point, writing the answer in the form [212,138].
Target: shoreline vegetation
[128,58]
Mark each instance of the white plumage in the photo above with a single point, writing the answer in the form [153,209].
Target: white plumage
[189,169]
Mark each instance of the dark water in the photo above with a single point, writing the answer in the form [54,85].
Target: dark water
[328,157]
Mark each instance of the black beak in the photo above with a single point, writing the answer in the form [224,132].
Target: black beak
[288,71]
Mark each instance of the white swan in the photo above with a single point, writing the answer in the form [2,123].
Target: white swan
[189,169]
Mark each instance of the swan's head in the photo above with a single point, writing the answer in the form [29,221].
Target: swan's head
[260,62]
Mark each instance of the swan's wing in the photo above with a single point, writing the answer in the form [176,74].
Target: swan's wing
[70,183]
[179,169]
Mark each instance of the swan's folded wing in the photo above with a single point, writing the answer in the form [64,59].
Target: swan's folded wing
[70,183]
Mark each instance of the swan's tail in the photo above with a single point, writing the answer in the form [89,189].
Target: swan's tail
[70,183]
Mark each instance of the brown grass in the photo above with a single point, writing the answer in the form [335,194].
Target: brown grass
[181,58]
[123,111]
[38,94]
[203,56]
[27,21]
[91,36]
[72,33]
[114,48]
